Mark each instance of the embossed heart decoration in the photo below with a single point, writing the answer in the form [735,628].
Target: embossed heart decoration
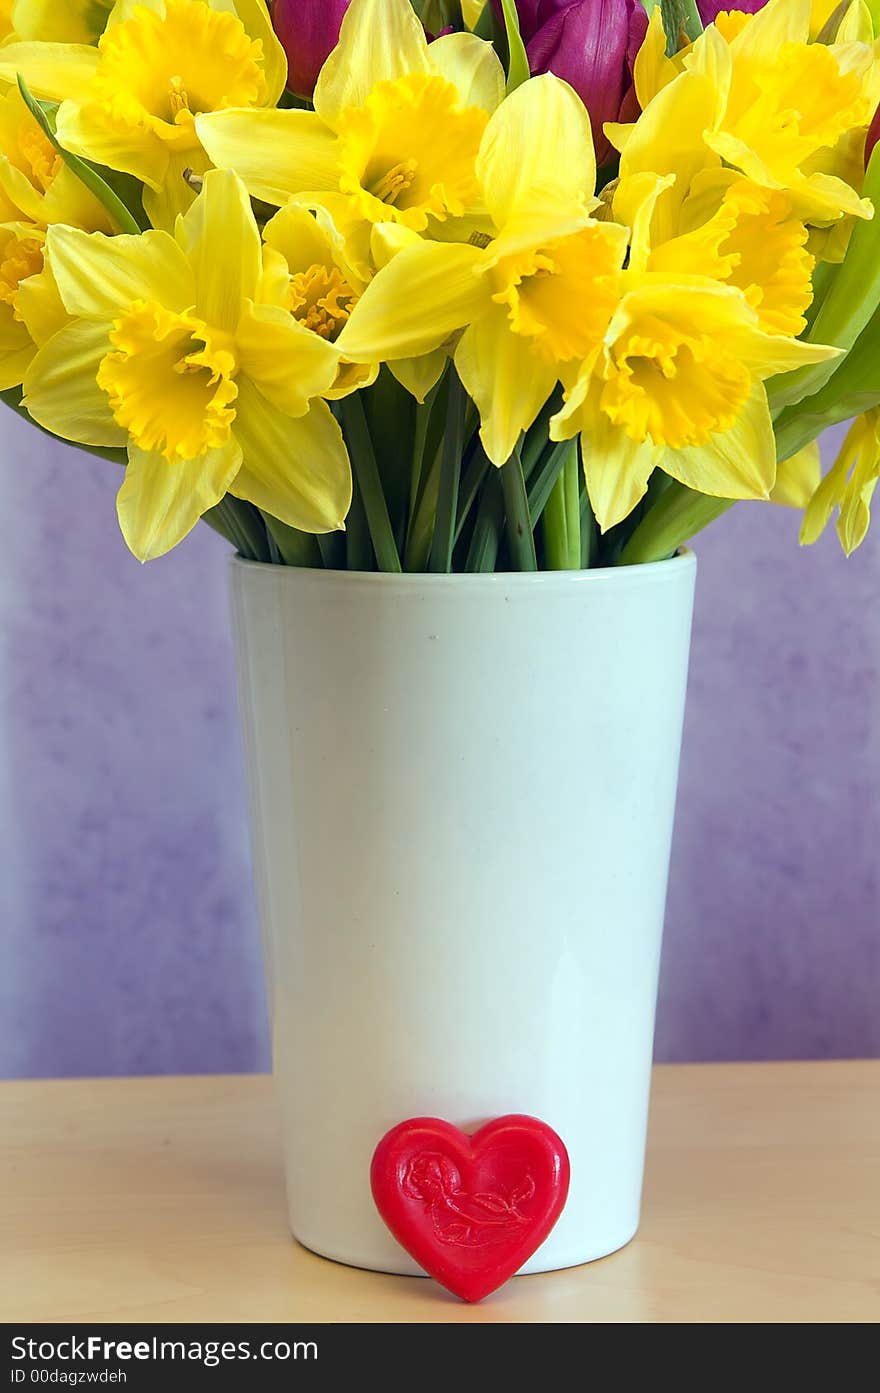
[470,1209]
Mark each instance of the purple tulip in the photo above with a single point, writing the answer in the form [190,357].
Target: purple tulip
[592,44]
[309,32]
[710,9]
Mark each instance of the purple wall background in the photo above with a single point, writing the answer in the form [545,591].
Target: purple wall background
[128,938]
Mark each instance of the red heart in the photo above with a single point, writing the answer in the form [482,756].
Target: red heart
[470,1209]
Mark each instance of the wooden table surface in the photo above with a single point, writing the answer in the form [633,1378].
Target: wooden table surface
[161,1200]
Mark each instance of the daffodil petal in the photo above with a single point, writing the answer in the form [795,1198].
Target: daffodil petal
[515,165]
[820,507]
[379,41]
[175,197]
[797,478]
[15,361]
[508,381]
[67,200]
[278,154]
[98,277]
[736,463]
[779,22]
[40,306]
[653,70]
[420,375]
[255,17]
[423,295]
[297,470]
[91,132]
[473,68]
[297,234]
[289,363]
[221,240]
[617,469]
[161,500]
[61,392]
[53,72]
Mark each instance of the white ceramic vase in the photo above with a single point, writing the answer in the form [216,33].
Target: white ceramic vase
[462,799]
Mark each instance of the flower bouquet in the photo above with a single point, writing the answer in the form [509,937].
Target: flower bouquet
[388,291]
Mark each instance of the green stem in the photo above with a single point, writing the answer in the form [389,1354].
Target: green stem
[681,21]
[477,468]
[543,481]
[296,548]
[678,515]
[519,521]
[589,532]
[219,523]
[241,525]
[538,435]
[562,516]
[483,551]
[366,471]
[426,480]
[358,549]
[446,516]
[331,546]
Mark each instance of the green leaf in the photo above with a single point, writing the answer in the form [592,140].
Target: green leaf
[86,173]
[678,515]
[296,548]
[446,515]
[854,388]
[681,23]
[519,520]
[483,550]
[485,26]
[366,471]
[518,66]
[850,302]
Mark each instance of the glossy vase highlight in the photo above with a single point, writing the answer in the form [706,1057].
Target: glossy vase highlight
[462,799]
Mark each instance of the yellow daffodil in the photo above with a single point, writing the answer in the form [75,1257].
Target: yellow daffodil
[785,106]
[538,297]
[849,486]
[678,386]
[692,216]
[169,355]
[131,103]
[790,115]
[395,131]
[307,271]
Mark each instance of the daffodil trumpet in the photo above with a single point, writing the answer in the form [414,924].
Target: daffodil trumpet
[377,308]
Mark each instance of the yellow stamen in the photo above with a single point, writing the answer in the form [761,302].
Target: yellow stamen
[388,187]
[408,153]
[322,300]
[177,97]
[170,380]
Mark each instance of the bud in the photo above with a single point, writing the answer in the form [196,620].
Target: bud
[592,45]
[309,32]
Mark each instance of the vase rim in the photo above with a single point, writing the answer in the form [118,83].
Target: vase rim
[684,560]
